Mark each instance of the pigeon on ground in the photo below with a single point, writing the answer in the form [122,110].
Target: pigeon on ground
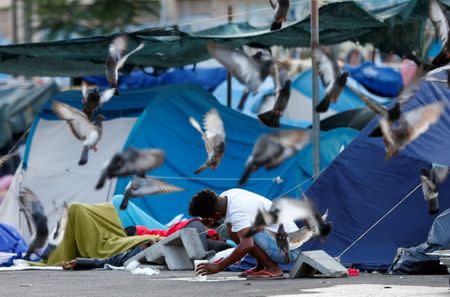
[213,137]
[438,16]
[285,210]
[116,59]
[272,117]
[36,218]
[242,67]
[281,10]
[93,100]
[145,186]
[412,124]
[431,180]
[131,162]
[82,128]
[271,149]
[332,78]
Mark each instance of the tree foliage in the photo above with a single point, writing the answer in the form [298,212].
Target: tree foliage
[62,19]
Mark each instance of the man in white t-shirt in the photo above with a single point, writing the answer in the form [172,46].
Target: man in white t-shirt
[239,208]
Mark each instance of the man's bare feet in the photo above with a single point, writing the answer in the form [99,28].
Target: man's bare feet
[251,271]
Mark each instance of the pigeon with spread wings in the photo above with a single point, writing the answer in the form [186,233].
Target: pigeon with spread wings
[145,186]
[92,100]
[310,231]
[116,59]
[243,67]
[281,10]
[286,209]
[392,114]
[431,180]
[411,125]
[438,16]
[271,149]
[82,128]
[131,162]
[36,218]
[332,78]
[213,137]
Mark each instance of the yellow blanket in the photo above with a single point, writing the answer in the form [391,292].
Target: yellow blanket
[94,231]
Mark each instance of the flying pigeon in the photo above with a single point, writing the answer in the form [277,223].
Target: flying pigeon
[213,137]
[333,80]
[431,180]
[281,10]
[310,231]
[286,209]
[271,118]
[394,113]
[36,218]
[411,125]
[116,59]
[438,16]
[145,186]
[242,67]
[93,100]
[82,128]
[270,150]
[278,71]
[131,162]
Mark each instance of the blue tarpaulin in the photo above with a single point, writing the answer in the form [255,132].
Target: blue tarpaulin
[10,240]
[360,187]
[164,124]
[208,78]
[384,81]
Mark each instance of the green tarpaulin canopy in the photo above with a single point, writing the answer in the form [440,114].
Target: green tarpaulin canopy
[396,28]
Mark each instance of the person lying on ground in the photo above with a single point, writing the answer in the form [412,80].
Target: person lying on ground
[239,208]
[210,240]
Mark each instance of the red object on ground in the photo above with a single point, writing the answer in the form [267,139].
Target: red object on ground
[353,272]
[142,230]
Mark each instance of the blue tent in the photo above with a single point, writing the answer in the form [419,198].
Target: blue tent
[360,187]
[164,124]
[208,78]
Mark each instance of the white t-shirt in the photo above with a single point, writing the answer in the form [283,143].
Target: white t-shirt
[242,207]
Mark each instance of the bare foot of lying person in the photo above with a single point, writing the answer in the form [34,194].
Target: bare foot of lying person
[70,265]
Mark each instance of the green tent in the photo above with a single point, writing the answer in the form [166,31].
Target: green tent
[398,27]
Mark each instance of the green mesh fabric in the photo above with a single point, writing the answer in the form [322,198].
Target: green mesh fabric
[396,28]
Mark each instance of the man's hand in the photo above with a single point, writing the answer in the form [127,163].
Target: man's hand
[208,268]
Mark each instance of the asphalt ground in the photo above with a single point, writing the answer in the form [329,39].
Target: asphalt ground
[182,284]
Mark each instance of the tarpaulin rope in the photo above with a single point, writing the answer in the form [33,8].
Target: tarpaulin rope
[377,222]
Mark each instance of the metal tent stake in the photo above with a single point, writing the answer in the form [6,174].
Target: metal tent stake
[315,87]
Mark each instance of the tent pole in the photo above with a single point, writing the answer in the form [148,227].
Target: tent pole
[315,87]
[230,19]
